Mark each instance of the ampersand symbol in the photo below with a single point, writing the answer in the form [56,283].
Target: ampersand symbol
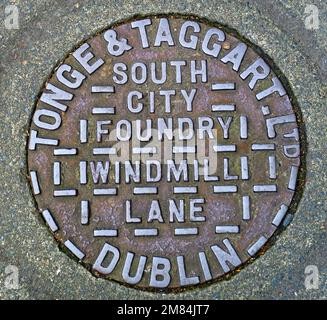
[116,47]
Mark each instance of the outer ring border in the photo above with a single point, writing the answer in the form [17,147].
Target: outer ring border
[301,178]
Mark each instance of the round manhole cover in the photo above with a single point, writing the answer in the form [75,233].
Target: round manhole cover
[164,152]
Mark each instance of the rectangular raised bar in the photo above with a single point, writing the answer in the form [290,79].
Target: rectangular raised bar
[246,207]
[65,152]
[184,149]
[243,127]
[103,110]
[272,167]
[223,107]
[105,233]
[262,146]
[265,188]
[145,232]
[244,168]
[56,173]
[102,89]
[77,252]
[227,229]
[293,178]
[102,151]
[65,193]
[35,182]
[223,86]
[50,221]
[185,189]
[185,231]
[105,192]
[84,212]
[224,189]
[144,150]
[83,172]
[83,128]
[145,190]
[225,148]
[280,215]
[257,246]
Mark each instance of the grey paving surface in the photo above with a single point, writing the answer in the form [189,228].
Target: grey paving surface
[48,30]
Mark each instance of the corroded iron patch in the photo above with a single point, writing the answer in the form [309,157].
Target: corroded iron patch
[164,152]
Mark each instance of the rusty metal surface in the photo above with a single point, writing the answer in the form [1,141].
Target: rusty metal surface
[231,234]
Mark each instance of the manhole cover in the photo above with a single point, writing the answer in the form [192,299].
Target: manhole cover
[164,152]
